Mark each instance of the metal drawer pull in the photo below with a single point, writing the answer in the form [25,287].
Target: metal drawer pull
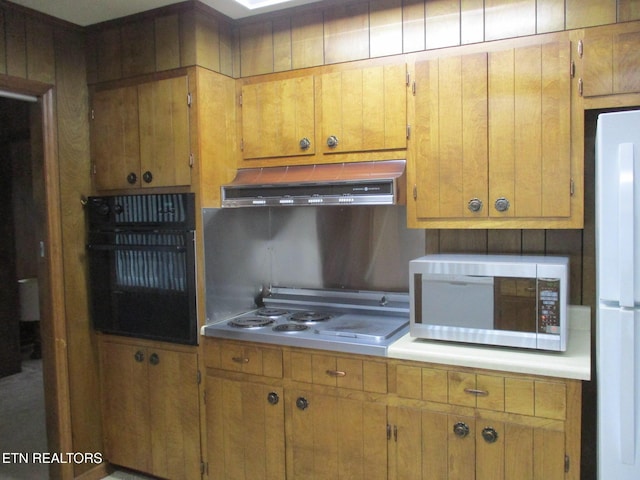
[240,359]
[336,373]
[477,393]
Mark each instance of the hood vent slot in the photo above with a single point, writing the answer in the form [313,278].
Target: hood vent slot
[358,183]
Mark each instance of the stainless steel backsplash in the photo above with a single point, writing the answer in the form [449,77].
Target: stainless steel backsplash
[249,249]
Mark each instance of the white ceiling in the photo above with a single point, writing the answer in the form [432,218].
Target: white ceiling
[88,12]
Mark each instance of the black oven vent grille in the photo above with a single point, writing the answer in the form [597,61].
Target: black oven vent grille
[151,261]
[154,208]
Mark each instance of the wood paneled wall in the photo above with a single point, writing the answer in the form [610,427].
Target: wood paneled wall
[335,31]
[181,35]
[38,48]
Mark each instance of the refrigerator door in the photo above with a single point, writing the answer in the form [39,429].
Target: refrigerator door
[618,207]
[618,333]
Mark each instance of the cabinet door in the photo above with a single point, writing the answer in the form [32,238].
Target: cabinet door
[611,59]
[164,133]
[125,405]
[363,110]
[174,412]
[335,437]
[450,160]
[431,445]
[245,430]
[505,451]
[277,118]
[115,142]
[529,132]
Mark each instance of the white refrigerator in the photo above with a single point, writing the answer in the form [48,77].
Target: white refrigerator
[618,294]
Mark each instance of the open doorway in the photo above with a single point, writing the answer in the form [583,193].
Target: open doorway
[47,230]
[22,410]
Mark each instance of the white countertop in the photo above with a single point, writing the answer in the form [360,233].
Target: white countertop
[575,363]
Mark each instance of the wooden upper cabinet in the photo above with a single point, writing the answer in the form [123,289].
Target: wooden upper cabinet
[492,138]
[115,139]
[140,135]
[450,135]
[611,59]
[530,132]
[278,118]
[363,109]
[164,132]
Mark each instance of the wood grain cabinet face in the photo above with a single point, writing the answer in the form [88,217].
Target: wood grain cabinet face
[140,135]
[245,429]
[492,137]
[476,425]
[611,59]
[353,416]
[278,118]
[333,436]
[363,109]
[151,409]
[243,357]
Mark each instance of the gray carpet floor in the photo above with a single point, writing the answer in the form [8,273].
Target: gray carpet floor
[22,423]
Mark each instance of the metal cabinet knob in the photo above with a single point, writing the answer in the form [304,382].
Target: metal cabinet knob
[489,434]
[139,356]
[502,204]
[305,143]
[332,141]
[474,205]
[461,429]
[154,359]
[132,178]
[147,176]
[273,398]
[302,403]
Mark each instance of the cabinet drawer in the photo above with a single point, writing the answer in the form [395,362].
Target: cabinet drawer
[519,395]
[243,357]
[338,371]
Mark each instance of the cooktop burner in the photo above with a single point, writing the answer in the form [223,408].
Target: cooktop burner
[340,320]
[310,316]
[251,322]
[290,327]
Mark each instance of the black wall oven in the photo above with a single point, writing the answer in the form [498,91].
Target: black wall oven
[142,266]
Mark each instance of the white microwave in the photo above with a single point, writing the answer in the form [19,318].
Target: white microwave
[506,300]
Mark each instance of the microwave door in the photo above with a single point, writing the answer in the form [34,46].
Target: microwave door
[458,301]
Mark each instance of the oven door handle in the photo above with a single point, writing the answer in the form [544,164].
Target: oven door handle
[155,248]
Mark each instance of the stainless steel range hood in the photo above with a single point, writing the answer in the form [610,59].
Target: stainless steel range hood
[358,183]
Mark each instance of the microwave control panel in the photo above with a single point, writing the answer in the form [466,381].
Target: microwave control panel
[549,305]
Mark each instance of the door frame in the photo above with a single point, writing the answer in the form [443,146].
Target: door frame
[50,270]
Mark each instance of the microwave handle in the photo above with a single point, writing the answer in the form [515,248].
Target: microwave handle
[461,280]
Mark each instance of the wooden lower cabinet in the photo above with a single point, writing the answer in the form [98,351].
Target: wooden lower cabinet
[330,416]
[150,406]
[245,430]
[432,445]
[331,436]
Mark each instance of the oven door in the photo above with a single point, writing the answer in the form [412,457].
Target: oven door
[142,284]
